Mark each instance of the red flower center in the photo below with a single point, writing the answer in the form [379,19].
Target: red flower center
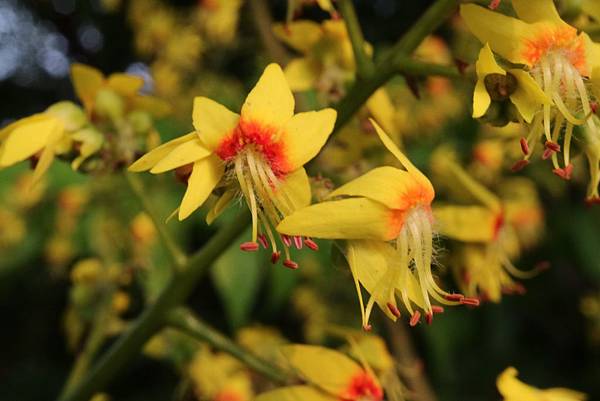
[362,387]
[249,135]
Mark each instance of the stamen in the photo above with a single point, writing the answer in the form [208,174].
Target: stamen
[524,146]
[470,301]
[553,146]
[311,244]
[455,297]
[414,319]
[393,309]
[290,264]
[275,256]
[298,242]
[429,317]
[249,246]
[263,240]
[519,165]
[437,309]
[287,241]
[367,327]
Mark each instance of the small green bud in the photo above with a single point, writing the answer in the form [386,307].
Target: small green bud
[109,104]
[69,113]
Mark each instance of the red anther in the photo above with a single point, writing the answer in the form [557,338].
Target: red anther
[249,246]
[524,146]
[414,319]
[298,242]
[494,4]
[560,172]
[592,201]
[553,146]
[519,288]
[568,170]
[275,257]
[287,241]
[455,297]
[429,317]
[367,327]
[520,165]
[547,154]
[311,244]
[290,264]
[594,107]
[335,15]
[470,301]
[437,309]
[263,240]
[393,309]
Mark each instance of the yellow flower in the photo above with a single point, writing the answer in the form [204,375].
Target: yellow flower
[218,19]
[219,377]
[41,136]
[112,97]
[328,60]
[559,62]
[295,7]
[386,214]
[330,376]
[512,389]
[259,154]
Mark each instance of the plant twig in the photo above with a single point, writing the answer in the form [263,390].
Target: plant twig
[263,22]
[178,258]
[187,323]
[152,319]
[364,64]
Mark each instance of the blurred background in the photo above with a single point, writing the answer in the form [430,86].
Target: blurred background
[551,334]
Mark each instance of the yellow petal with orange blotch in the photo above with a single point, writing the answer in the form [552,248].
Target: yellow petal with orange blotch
[305,134]
[186,153]
[270,102]
[205,176]
[24,138]
[507,36]
[299,35]
[391,186]
[532,11]
[213,121]
[86,81]
[151,158]
[330,370]
[293,192]
[355,218]
[466,223]
[295,393]
[528,97]
[125,85]
[368,262]
[220,206]
[301,74]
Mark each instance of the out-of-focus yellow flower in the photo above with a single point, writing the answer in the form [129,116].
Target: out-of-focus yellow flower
[218,19]
[262,341]
[219,377]
[512,389]
[259,153]
[41,136]
[142,229]
[330,375]
[387,216]
[559,62]
[87,271]
[12,229]
[328,60]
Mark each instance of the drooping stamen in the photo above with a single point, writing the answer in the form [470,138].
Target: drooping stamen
[414,319]
[524,146]
[290,264]
[437,309]
[298,242]
[393,309]
[470,301]
[519,165]
[275,256]
[311,244]
[249,246]
[287,241]
[263,240]
[429,317]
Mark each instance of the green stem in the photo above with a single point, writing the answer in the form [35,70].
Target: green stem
[93,343]
[187,323]
[178,258]
[364,64]
[152,319]
[398,62]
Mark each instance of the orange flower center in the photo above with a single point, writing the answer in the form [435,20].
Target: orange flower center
[564,41]
[362,387]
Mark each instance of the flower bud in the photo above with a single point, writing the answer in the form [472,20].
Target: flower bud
[69,113]
[109,104]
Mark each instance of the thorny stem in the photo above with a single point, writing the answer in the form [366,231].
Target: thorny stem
[178,258]
[364,64]
[409,362]
[152,319]
[187,323]
[398,62]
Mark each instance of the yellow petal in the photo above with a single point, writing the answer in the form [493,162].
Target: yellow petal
[293,192]
[205,176]
[391,146]
[368,263]
[91,141]
[186,153]
[24,138]
[220,206]
[330,370]
[481,99]
[150,159]
[270,102]
[124,84]
[512,388]
[507,36]
[382,109]
[299,35]
[486,63]
[48,154]
[355,218]
[295,393]
[213,121]
[301,74]
[305,134]
[466,223]
[393,187]
[86,81]
[591,7]
[528,97]
[532,11]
